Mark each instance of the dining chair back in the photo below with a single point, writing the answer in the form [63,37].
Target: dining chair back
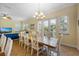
[35,46]
[26,40]
[1,39]
[20,35]
[27,43]
[21,39]
[3,42]
[55,50]
[35,43]
[8,47]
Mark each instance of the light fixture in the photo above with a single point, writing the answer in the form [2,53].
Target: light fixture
[6,17]
[4,11]
[39,14]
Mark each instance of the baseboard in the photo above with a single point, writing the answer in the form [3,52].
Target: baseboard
[68,45]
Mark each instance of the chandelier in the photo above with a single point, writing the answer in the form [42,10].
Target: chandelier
[4,15]
[39,14]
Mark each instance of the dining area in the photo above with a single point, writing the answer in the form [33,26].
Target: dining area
[35,45]
[38,31]
[33,41]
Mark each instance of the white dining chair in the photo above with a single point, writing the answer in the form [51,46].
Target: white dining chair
[21,39]
[26,43]
[34,43]
[36,46]
[55,50]
[8,48]
[2,35]
[3,42]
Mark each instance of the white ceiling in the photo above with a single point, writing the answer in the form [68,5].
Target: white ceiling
[27,10]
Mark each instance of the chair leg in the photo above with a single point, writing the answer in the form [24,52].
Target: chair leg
[48,52]
[58,53]
[31,51]
[37,52]
[19,43]
[27,50]
[24,46]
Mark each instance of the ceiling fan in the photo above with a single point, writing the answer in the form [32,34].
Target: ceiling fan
[4,12]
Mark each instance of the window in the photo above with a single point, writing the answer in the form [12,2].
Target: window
[45,28]
[39,26]
[64,24]
[24,26]
[45,24]
[17,27]
[53,27]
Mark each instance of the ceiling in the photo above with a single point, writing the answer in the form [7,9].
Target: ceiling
[27,10]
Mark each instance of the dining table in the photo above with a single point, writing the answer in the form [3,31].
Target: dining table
[52,42]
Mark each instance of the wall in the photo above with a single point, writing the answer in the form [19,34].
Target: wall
[7,23]
[77,27]
[31,21]
[14,24]
[71,12]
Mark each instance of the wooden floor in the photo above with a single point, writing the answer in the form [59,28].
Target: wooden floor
[64,50]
